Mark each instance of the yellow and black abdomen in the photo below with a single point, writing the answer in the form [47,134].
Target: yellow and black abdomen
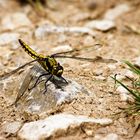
[48,63]
[40,58]
[30,51]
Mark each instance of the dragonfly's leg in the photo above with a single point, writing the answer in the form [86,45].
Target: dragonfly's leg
[58,83]
[64,80]
[40,81]
[59,86]
[36,83]
[46,83]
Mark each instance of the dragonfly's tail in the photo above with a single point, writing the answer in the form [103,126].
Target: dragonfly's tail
[30,51]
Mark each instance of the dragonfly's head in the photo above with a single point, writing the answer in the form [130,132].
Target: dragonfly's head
[57,70]
[54,67]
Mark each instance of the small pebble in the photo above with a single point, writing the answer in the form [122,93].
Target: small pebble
[80,16]
[43,30]
[129,74]
[120,77]
[7,38]
[100,77]
[14,21]
[88,40]
[115,12]
[102,25]
[11,127]
[62,38]
[111,136]
[98,137]
[89,133]
[3,3]
[137,61]
[61,48]
[123,93]
[111,66]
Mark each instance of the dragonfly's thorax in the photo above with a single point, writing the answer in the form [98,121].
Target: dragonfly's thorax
[53,66]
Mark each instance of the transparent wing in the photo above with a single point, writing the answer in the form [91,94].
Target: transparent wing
[76,50]
[97,59]
[25,95]
[6,75]
[29,79]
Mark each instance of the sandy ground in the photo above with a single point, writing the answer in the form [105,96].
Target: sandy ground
[118,44]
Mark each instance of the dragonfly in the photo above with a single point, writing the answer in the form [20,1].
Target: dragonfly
[49,64]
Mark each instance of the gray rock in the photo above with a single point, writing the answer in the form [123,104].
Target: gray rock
[102,25]
[41,99]
[43,30]
[61,48]
[124,94]
[11,127]
[115,12]
[7,38]
[137,61]
[15,20]
[129,74]
[107,22]
[111,136]
[3,3]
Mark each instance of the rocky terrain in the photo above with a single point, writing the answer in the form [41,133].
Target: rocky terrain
[86,107]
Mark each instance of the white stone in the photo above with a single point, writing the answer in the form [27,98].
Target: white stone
[102,25]
[123,93]
[111,66]
[80,16]
[111,136]
[98,137]
[88,40]
[137,61]
[62,38]
[129,74]
[70,92]
[11,127]
[37,101]
[43,30]
[100,77]
[115,12]
[3,3]
[15,20]
[85,66]
[61,48]
[43,129]
[120,77]
[7,38]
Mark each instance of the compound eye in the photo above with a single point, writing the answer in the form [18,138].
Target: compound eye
[55,68]
[59,73]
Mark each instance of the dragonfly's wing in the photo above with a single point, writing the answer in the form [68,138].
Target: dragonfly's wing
[29,78]
[6,75]
[76,50]
[96,59]
[23,88]
[66,52]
